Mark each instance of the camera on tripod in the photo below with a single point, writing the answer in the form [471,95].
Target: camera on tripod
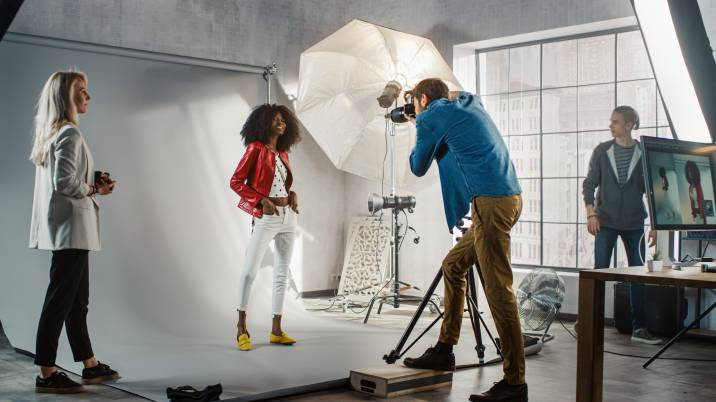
[403,113]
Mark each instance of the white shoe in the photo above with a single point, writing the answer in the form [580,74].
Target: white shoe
[642,335]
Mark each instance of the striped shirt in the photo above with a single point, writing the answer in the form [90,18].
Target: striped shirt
[622,156]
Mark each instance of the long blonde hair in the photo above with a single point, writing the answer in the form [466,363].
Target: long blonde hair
[55,108]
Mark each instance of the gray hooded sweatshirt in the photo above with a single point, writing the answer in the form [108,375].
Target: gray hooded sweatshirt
[619,207]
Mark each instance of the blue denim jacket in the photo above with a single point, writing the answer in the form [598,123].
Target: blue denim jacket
[472,157]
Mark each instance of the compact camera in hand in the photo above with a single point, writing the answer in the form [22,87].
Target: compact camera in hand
[101,177]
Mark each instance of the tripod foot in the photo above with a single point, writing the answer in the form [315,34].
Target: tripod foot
[392,357]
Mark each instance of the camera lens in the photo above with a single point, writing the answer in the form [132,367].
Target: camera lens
[398,115]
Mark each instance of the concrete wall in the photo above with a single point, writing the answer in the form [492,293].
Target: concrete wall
[264,31]
[260,32]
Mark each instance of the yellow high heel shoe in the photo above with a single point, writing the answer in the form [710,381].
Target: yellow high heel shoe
[284,339]
[244,342]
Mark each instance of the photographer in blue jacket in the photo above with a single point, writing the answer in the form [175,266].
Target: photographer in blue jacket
[475,170]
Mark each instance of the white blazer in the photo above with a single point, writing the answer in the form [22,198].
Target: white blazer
[63,216]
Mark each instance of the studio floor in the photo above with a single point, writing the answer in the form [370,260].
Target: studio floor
[550,374]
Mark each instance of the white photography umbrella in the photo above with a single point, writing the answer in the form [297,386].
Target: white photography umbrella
[340,78]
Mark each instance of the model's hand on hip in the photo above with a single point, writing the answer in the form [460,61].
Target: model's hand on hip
[269,207]
[293,201]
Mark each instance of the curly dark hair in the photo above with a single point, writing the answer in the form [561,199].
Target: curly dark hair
[258,126]
[664,179]
[691,171]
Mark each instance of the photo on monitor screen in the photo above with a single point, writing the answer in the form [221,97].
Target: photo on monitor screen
[680,183]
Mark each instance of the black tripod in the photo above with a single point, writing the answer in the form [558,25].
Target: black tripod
[679,335]
[475,320]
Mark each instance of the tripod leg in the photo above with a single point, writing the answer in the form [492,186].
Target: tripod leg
[479,347]
[479,274]
[395,353]
[678,335]
[423,333]
[472,295]
[484,325]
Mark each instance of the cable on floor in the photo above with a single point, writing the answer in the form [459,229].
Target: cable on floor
[639,356]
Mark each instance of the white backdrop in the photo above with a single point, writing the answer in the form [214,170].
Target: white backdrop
[173,239]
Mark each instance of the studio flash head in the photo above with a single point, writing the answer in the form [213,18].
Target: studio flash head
[376,202]
[390,94]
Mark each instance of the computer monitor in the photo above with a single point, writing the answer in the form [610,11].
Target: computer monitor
[680,183]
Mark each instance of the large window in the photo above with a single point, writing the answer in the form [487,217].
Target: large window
[552,102]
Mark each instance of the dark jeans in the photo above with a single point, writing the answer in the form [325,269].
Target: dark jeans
[65,303]
[633,240]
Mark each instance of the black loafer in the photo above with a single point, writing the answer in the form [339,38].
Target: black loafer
[502,392]
[432,359]
[98,374]
[57,383]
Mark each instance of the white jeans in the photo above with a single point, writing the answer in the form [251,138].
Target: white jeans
[282,229]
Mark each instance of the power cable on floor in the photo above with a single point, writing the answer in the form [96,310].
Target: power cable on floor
[333,302]
[639,356]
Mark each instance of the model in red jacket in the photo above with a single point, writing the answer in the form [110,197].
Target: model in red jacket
[263,179]
[253,177]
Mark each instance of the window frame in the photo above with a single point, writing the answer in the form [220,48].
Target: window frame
[656,129]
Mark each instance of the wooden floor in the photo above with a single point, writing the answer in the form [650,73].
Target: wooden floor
[550,374]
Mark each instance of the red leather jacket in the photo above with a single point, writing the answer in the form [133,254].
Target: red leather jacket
[253,177]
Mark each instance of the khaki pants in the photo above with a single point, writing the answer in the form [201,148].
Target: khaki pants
[487,241]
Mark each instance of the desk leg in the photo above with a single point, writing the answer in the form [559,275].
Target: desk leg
[590,340]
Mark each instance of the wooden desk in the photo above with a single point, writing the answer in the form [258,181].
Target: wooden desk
[590,339]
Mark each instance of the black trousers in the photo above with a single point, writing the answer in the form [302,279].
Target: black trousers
[66,303]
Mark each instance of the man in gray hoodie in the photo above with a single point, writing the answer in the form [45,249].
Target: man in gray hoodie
[615,172]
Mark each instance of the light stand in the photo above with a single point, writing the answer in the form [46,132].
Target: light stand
[269,71]
[397,204]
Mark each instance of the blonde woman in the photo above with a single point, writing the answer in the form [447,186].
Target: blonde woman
[65,220]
